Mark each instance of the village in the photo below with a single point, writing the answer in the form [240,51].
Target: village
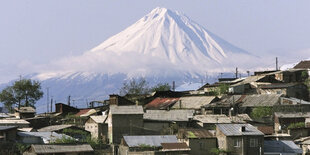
[265,113]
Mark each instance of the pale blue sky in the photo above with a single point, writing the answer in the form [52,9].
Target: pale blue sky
[37,32]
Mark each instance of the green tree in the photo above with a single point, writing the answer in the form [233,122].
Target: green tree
[135,87]
[260,112]
[223,88]
[24,92]
[161,87]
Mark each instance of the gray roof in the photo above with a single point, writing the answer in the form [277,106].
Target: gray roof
[41,149]
[292,115]
[25,110]
[54,128]
[13,121]
[294,100]
[47,137]
[261,100]
[136,141]
[171,115]
[212,119]
[99,119]
[235,129]
[2,128]
[133,109]
[281,146]
[193,102]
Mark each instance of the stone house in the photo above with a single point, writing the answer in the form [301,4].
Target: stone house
[8,133]
[24,112]
[283,119]
[98,127]
[124,120]
[200,141]
[241,139]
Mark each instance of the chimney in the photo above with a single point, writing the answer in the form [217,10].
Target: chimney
[242,129]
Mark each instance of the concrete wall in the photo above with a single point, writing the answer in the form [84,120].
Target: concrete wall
[202,146]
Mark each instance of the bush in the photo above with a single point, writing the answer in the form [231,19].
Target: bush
[261,112]
[296,125]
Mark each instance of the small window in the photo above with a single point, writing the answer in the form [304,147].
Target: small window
[237,143]
[253,142]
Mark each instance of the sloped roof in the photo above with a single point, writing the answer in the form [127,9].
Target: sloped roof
[278,85]
[261,100]
[85,112]
[171,115]
[54,128]
[25,129]
[303,65]
[234,129]
[197,133]
[47,137]
[42,149]
[161,103]
[281,146]
[250,79]
[133,109]
[3,128]
[13,121]
[175,147]
[292,115]
[25,110]
[154,141]
[99,119]
[193,102]
[267,130]
[212,119]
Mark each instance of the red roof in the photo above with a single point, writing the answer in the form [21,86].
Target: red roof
[161,103]
[267,130]
[82,111]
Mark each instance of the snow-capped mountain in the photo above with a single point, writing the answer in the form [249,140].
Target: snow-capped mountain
[163,46]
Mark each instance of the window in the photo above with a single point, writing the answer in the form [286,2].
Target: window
[253,142]
[237,143]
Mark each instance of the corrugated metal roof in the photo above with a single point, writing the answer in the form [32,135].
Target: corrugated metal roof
[292,115]
[13,121]
[303,64]
[26,129]
[278,85]
[281,146]
[41,149]
[235,129]
[99,119]
[54,128]
[133,109]
[212,119]
[175,147]
[193,102]
[2,128]
[261,100]
[250,79]
[161,103]
[267,130]
[196,133]
[47,137]
[154,141]
[171,115]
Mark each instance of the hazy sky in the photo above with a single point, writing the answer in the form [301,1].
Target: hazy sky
[34,32]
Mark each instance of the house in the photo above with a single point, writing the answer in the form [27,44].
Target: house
[209,121]
[303,65]
[275,147]
[40,137]
[24,112]
[296,90]
[159,144]
[241,139]
[39,121]
[119,100]
[156,121]
[200,141]
[303,143]
[70,130]
[20,123]
[282,120]
[211,88]
[97,126]
[65,109]
[8,133]
[124,120]
[84,149]
[86,112]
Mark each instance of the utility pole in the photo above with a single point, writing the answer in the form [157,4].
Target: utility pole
[236,73]
[69,100]
[52,104]
[248,73]
[47,98]
[173,85]
[277,66]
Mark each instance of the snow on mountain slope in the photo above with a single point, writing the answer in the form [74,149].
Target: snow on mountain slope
[163,46]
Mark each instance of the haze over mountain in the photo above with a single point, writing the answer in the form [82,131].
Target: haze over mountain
[163,46]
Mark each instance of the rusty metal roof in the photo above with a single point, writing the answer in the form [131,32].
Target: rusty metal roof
[303,65]
[175,147]
[161,103]
[267,130]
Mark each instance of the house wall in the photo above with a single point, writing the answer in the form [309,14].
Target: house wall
[202,146]
[97,130]
[10,135]
[155,127]
[124,124]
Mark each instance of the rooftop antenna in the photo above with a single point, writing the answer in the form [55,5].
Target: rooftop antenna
[173,85]
[236,73]
[47,98]
[69,100]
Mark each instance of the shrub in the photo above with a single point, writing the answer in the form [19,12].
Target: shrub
[296,125]
[260,112]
